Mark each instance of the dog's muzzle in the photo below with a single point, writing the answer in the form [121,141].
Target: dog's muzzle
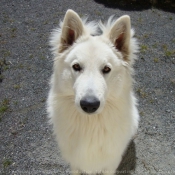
[89,104]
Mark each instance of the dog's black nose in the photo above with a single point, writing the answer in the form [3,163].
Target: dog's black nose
[89,104]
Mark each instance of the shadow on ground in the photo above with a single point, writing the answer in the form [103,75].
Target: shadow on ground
[128,163]
[137,5]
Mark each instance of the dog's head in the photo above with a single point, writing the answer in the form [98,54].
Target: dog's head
[92,68]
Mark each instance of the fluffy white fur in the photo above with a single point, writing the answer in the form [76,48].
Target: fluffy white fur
[94,142]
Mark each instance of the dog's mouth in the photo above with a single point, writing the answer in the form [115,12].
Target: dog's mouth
[90,104]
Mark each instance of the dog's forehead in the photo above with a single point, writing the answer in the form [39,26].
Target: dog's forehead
[92,51]
[93,48]
[94,44]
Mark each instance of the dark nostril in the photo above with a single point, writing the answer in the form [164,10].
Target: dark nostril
[89,104]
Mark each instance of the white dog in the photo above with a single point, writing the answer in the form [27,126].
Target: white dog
[91,103]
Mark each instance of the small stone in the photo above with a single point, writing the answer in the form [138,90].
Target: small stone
[14,132]
[168,111]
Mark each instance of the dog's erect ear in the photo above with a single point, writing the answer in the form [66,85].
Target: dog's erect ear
[120,35]
[72,28]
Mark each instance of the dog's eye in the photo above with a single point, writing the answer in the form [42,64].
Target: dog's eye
[106,70]
[76,67]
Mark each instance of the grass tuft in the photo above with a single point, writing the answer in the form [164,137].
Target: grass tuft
[156,60]
[17,86]
[142,93]
[4,105]
[7,163]
[143,48]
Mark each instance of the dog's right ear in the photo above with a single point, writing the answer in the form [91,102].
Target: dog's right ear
[72,28]
[120,35]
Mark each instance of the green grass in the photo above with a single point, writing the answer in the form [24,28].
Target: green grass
[4,105]
[169,53]
[141,93]
[3,63]
[3,108]
[45,22]
[17,86]
[43,100]
[7,163]
[143,48]
[13,32]
[33,29]
[42,57]
[6,53]
[13,29]
[156,60]
[1,77]
[164,46]
[15,102]
[172,81]
[145,35]
[6,67]
[141,113]
[151,101]
[154,45]
[21,66]
[98,13]
[140,20]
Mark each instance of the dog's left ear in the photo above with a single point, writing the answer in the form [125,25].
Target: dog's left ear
[72,28]
[120,35]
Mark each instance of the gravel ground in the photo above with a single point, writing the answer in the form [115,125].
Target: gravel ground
[26,142]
